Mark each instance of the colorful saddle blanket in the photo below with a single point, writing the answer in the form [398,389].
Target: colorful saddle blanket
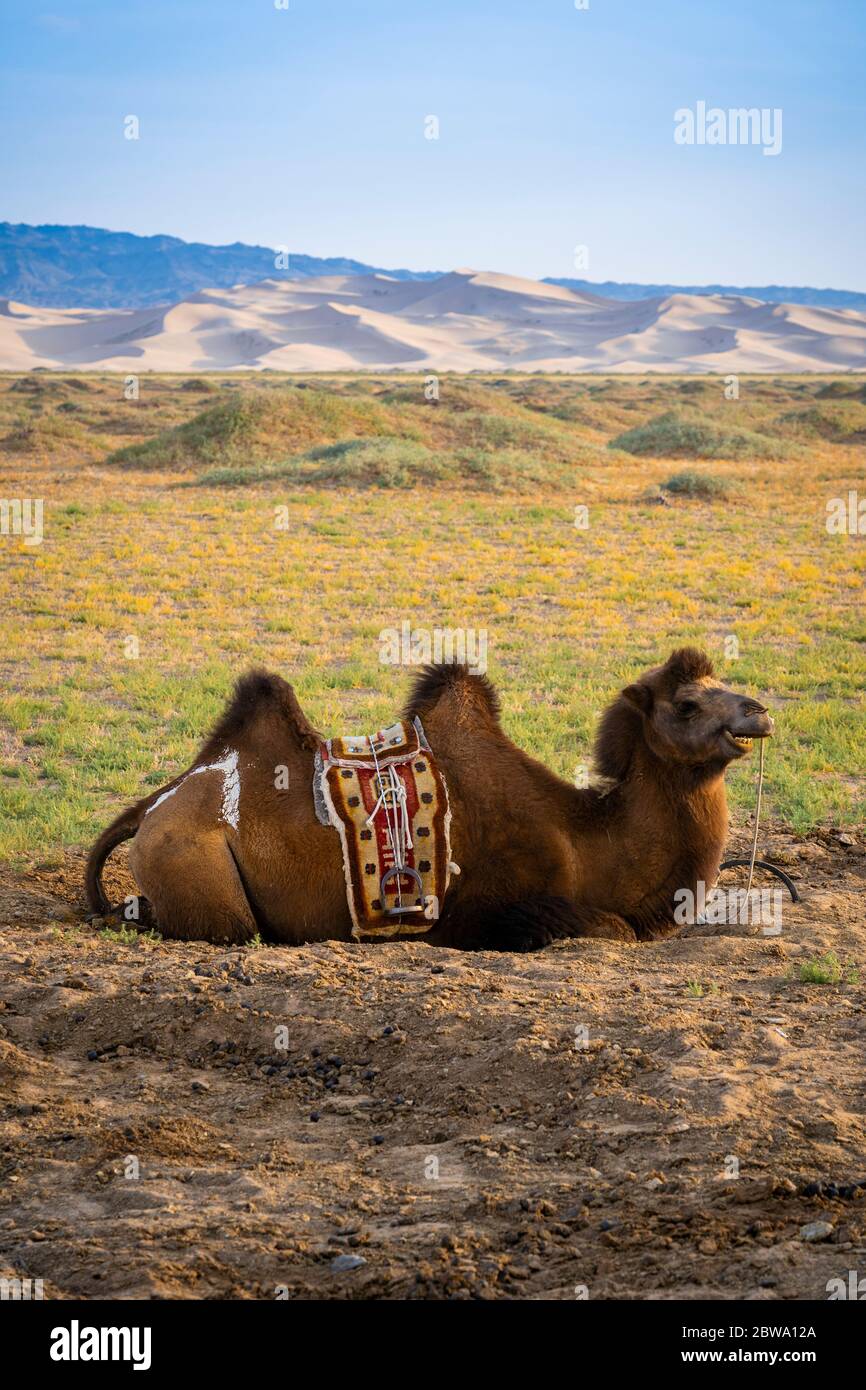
[387,798]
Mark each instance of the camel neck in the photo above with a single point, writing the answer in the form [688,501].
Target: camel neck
[671,791]
[683,807]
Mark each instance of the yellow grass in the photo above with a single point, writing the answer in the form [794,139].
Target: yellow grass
[205,580]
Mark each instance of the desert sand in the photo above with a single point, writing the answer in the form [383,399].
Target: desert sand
[433,1129]
[463,321]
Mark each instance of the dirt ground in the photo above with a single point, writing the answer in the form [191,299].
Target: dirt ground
[434,1124]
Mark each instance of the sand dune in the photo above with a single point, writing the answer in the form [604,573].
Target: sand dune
[463,321]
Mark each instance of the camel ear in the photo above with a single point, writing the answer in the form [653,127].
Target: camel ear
[640,696]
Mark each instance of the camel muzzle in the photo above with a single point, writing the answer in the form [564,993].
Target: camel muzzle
[750,722]
[758,725]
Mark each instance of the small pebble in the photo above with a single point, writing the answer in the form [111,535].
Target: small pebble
[341,1263]
[816,1230]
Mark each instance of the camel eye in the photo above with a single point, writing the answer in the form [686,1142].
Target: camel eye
[686,708]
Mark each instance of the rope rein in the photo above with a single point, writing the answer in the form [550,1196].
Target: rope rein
[752,861]
[757,818]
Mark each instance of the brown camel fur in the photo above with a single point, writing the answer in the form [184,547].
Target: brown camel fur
[539,858]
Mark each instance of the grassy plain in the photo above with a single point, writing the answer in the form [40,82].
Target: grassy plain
[215,523]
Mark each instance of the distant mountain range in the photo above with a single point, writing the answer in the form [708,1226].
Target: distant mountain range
[89,268]
[771,294]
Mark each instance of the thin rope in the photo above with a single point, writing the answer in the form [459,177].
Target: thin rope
[757,817]
[392,797]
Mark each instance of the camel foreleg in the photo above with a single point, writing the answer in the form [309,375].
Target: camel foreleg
[528,925]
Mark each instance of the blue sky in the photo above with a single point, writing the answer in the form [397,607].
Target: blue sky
[305,127]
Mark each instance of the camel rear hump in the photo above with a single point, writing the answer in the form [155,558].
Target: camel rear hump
[261,696]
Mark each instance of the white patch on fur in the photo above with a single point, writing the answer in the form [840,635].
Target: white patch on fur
[228,766]
[160,799]
[231,787]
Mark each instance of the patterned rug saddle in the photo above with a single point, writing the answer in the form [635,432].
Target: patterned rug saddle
[387,799]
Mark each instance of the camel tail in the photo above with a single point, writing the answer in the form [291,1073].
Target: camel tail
[124,828]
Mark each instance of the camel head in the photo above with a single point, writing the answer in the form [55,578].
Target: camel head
[685,716]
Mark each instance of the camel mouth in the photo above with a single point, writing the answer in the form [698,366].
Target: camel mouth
[742,746]
[742,742]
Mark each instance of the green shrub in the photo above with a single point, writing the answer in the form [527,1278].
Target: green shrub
[691,484]
[255,427]
[390,463]
[827,970]
[842,422]
[675,434]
